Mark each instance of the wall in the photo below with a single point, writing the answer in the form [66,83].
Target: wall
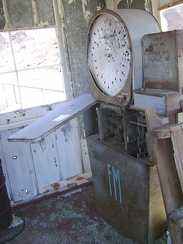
[123,4]
[77,15]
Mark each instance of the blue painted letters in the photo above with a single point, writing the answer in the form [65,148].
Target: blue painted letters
[114,182]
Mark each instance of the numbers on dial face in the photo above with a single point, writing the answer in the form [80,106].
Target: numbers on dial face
[109,54]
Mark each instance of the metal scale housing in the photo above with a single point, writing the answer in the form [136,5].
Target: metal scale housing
[127,190]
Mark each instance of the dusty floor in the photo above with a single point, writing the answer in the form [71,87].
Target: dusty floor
[70,218]
[64,219]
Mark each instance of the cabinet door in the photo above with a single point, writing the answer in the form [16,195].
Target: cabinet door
[46,162]
[69,149]
[18,168]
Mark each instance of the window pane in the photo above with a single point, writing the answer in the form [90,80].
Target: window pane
[41,86]
[9,99]
[30,69]
[6,59]
[172,18]
[35,48]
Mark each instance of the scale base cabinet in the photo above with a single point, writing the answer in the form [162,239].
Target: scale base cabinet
[127,193]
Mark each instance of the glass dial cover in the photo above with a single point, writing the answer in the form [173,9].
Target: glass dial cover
[109,54]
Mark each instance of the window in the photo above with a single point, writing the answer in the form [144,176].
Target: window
[172,18]
[30,69]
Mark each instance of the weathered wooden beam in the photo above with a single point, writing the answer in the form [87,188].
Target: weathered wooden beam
[163,157]
[165,132]
[181,104]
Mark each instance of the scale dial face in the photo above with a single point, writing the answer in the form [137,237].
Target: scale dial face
[109,54]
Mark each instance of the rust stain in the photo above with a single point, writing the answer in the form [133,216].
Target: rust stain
[70,178]
[80,178]
[150,49]
[56,186]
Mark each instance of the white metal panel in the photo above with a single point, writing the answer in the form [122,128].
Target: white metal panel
[85,156]
[24,117]
[37,167]
[7,181]
[69,149]
[46,161]
[139,23]
[54,119]
[20,171]
[148,101]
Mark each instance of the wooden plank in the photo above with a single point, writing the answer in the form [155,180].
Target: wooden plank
[176,217]
[165,132]
[177,141]
[181,104]
[54,119]
[163,156]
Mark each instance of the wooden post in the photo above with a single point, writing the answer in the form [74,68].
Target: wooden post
[163,157]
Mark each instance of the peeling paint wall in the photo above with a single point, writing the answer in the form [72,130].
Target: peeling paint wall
[131,4]
[45,10]
[75,36]
[77,14]
[2,19]
[125,4]
[20,13]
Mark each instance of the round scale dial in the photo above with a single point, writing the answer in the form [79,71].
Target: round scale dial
[114,53]
[109,54]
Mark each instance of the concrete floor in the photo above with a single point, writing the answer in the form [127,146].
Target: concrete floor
[70,218]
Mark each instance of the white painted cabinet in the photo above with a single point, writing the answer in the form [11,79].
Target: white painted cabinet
[36,168]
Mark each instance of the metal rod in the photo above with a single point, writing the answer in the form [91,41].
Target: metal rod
[16,72]
[135,123]
[35,67]
[32,87]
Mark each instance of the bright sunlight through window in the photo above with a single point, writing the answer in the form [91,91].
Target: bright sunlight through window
[30,69]
[172,18]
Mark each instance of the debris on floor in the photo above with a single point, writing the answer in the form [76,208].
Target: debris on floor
[64,219]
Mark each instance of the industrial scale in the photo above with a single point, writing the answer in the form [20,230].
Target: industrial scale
[134,67]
